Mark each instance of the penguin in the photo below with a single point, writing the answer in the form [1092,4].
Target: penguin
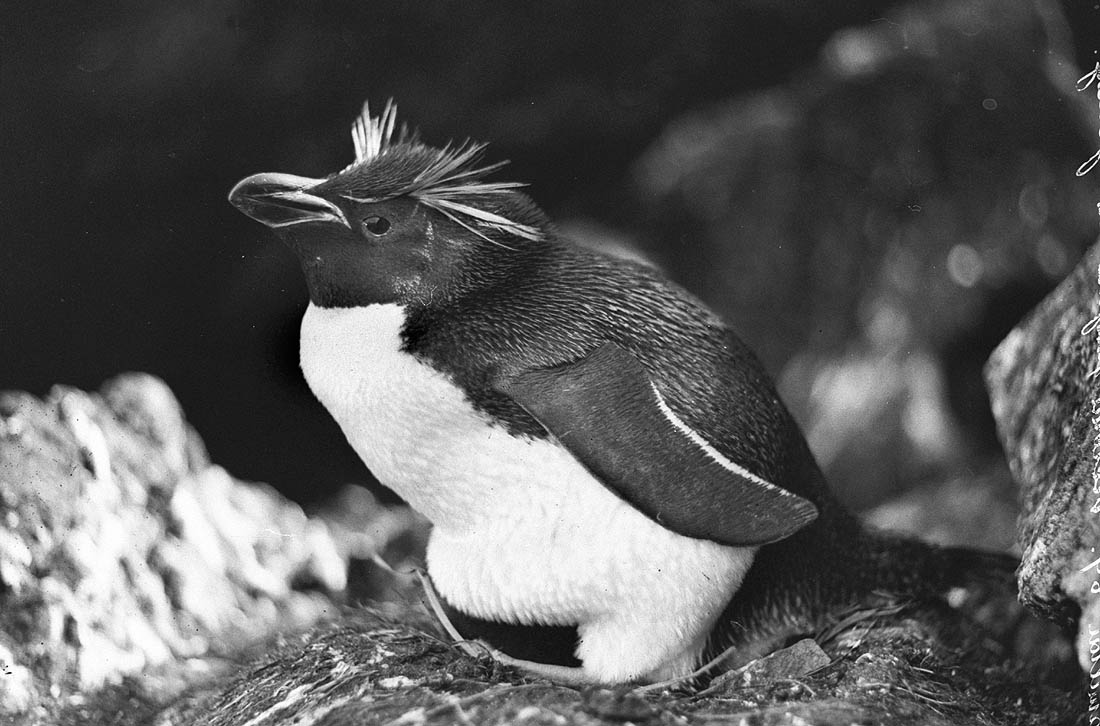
[616,491]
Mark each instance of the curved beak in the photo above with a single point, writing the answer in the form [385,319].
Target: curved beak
[279,200]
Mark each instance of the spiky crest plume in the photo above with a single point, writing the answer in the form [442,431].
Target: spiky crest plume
[449,180]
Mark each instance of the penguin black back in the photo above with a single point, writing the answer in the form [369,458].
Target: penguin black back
[552,303]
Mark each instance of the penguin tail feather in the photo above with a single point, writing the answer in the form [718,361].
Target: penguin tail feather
[963,567]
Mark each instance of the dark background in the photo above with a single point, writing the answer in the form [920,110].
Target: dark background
[872,192]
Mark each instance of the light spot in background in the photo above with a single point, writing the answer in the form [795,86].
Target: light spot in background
[956,597]
[853,51]
[1033,205]
[989,104]
[926,420]
[845,393]
[888,326]
[903,269]
[968,19]
[856,51]
[964,265]
[859,402]
[1051,255]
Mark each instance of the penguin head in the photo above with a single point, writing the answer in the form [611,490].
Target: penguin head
[404,222]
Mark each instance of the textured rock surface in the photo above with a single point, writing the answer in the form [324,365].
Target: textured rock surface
[1046,400]
[122,548]
[882,668]
[142,584]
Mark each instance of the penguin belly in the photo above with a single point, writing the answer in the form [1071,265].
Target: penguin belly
[522,532]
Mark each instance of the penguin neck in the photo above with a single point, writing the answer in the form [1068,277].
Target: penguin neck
[484,270]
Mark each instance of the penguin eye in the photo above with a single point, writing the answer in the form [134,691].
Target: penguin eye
[377,226]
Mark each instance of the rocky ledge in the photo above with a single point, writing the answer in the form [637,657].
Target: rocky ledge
[140,583]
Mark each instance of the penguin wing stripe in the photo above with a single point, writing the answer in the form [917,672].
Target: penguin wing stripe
[602,409]
[709,450]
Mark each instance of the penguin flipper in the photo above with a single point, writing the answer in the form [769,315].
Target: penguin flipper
[605,410]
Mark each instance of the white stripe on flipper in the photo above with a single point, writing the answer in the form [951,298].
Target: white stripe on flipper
[709,450]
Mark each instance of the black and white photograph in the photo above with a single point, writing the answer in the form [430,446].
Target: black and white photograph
[550,363]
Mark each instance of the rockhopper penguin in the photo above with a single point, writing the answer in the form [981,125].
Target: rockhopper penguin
[615,488]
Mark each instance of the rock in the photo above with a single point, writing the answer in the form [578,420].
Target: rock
[17,689]
[1046,402]
[378,543]
[366,668]
[123,549]
[791,662]
[143,584]
[873,671]
[618,705]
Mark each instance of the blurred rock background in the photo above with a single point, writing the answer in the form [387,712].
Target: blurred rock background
[129,561]
[872,193]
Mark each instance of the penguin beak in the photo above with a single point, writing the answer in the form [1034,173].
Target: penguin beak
[280,200]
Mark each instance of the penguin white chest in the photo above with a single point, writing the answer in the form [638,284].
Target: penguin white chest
[522,532]
[411,425]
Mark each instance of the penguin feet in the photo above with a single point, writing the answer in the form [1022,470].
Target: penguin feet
[563,675]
